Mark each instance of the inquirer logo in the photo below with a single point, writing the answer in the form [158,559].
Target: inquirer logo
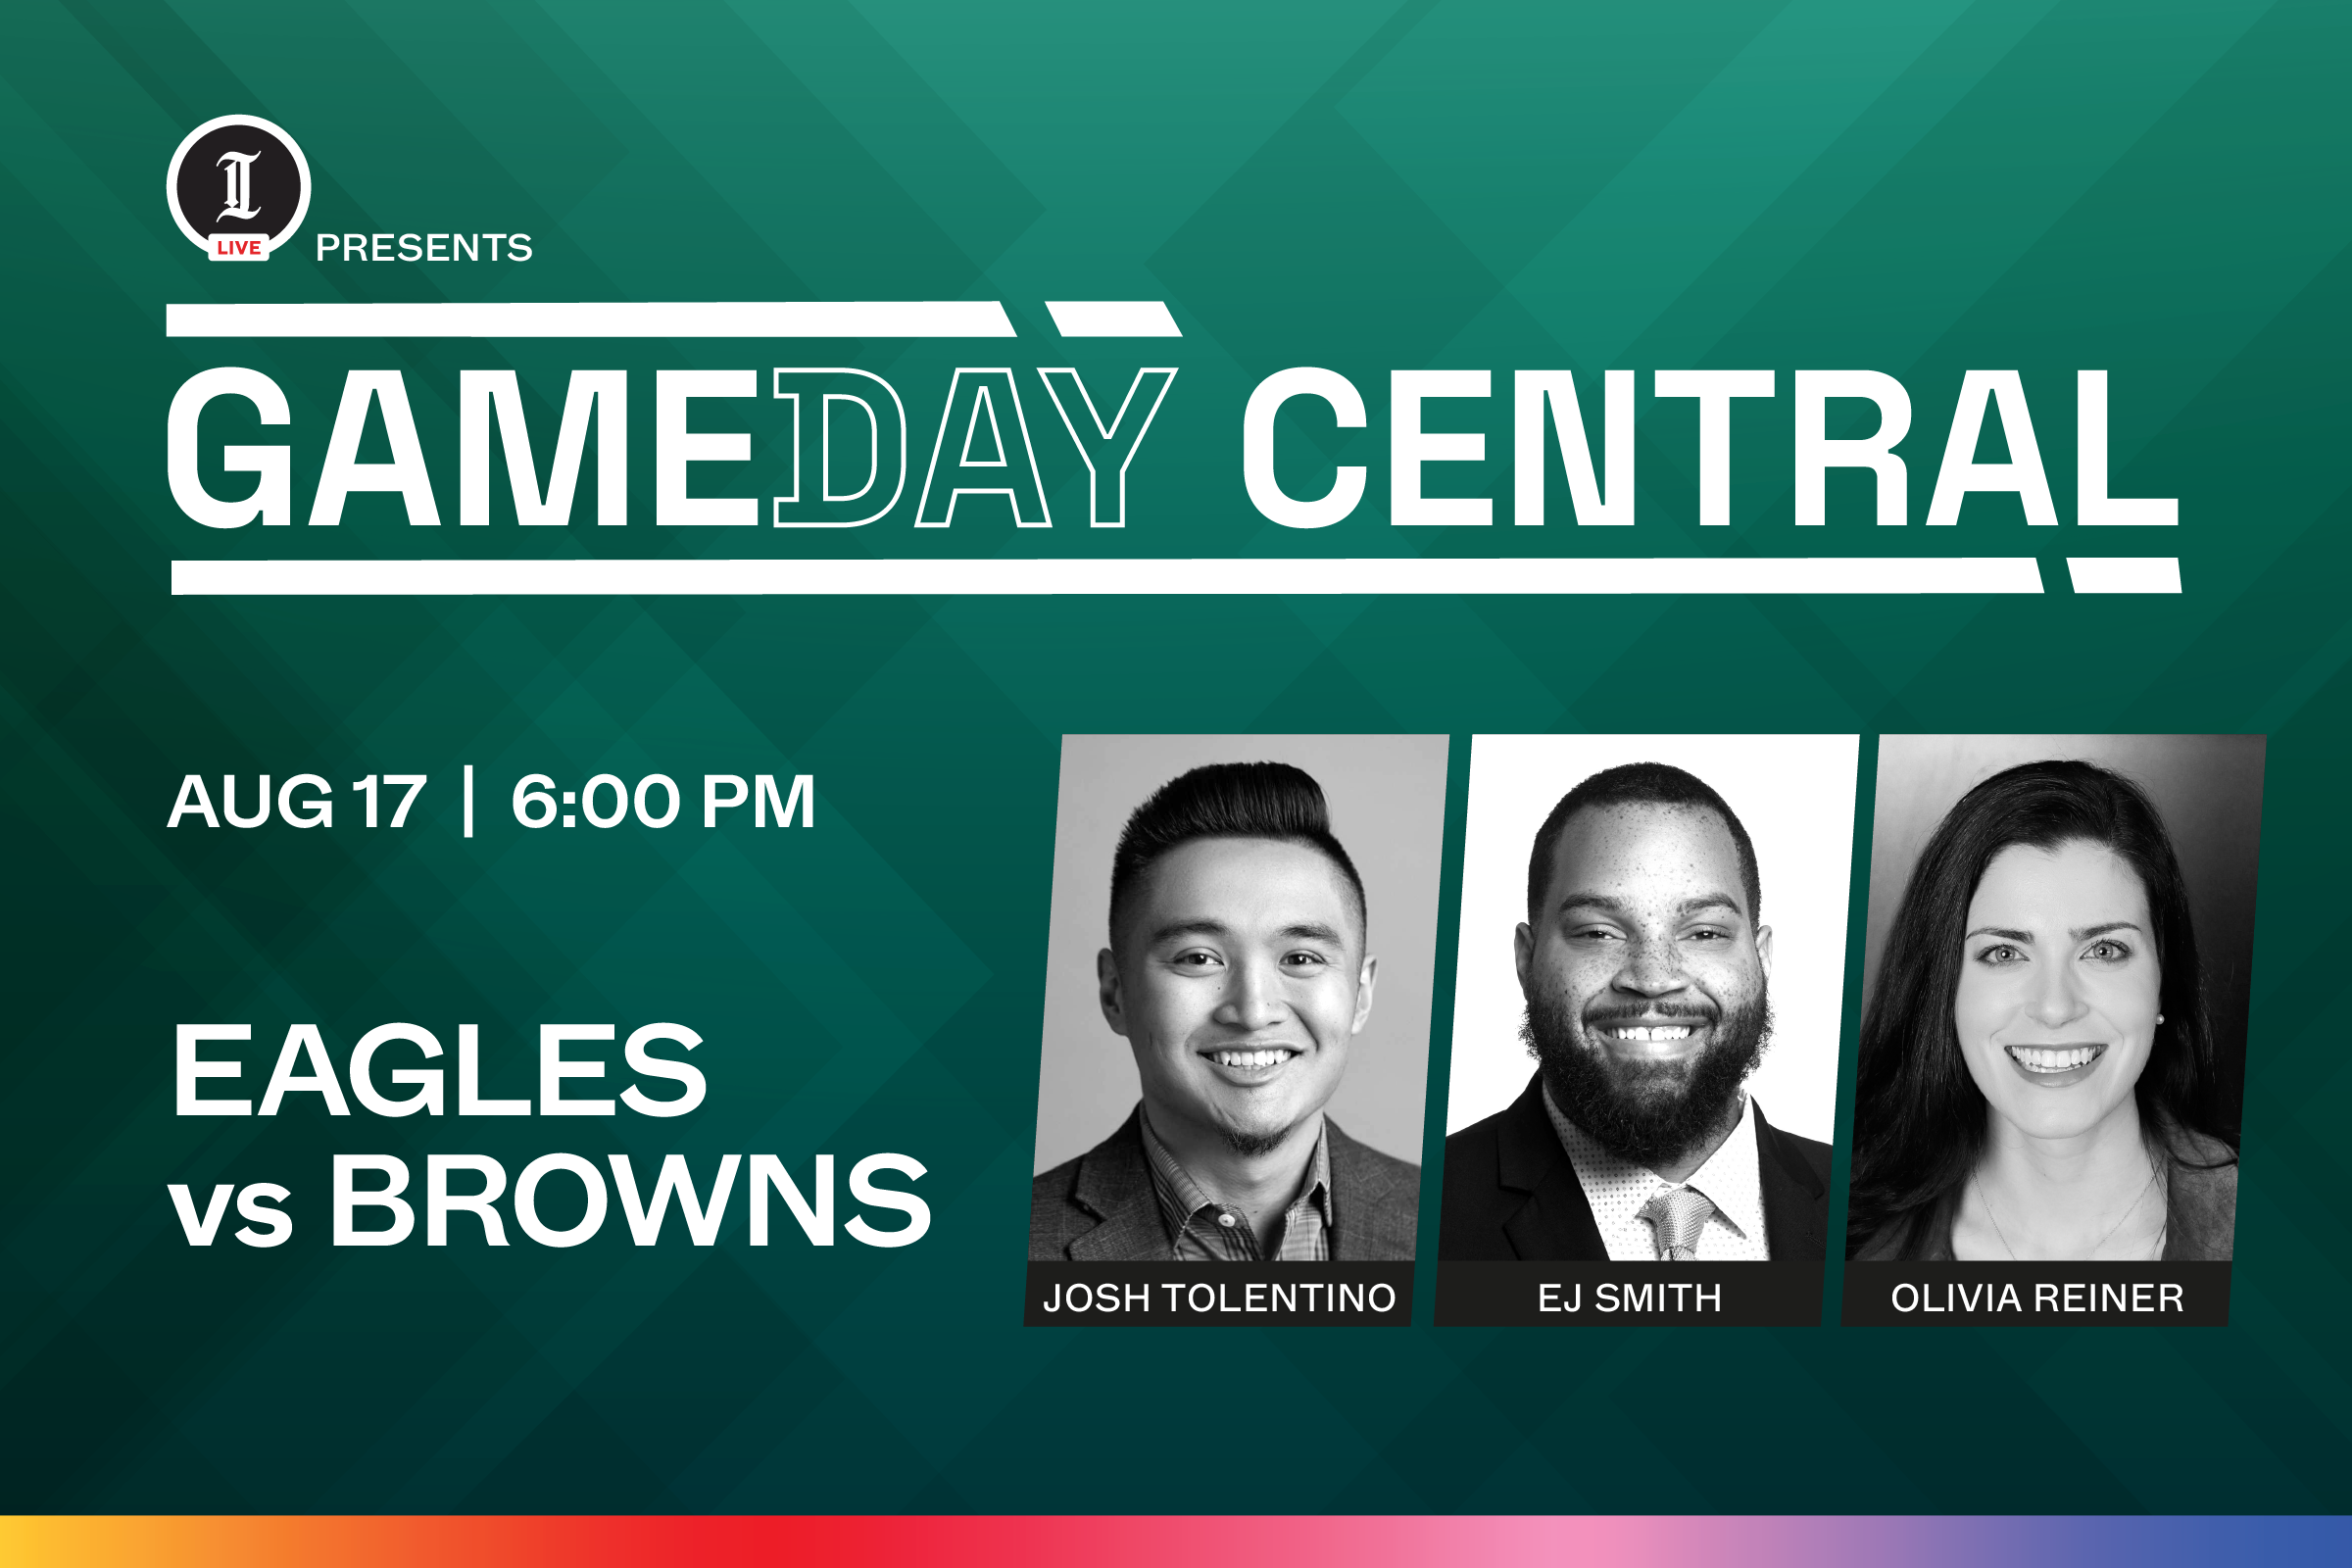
[238,185]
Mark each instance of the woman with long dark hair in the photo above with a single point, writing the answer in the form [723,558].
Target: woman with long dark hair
[2037,1073]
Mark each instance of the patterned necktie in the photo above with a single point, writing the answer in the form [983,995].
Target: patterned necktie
[1676,1217]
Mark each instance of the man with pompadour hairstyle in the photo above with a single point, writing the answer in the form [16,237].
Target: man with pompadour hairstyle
[1238,972]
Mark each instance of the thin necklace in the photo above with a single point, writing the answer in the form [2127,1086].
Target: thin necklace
[1982,1198]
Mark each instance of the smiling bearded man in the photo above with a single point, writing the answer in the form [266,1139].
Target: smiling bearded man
[1643,966]
[1650,1112]
[1239,974]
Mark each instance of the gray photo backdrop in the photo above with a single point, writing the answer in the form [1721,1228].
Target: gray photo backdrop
[1388,806]
[2208,788]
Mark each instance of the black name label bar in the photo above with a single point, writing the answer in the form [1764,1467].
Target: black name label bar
[1944,1293]
[1189,1294]
[1571,1294]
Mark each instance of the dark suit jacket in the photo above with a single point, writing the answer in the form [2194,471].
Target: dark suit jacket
[1511,1192]
[1099,1208]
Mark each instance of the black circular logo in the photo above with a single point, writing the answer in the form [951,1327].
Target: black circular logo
[237,186]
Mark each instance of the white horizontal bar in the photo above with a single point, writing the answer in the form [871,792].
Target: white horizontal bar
[1966,574]
[597,319]
[2125,574]
[1112,319]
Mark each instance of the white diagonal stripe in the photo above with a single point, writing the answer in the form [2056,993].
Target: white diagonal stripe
[2125,574]
[1112,319]
[1965,574]
[592,319]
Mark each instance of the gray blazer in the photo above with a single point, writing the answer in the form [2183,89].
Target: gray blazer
[2200,1211]
[1099,1208]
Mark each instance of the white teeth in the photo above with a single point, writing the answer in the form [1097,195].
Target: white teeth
[2045,1060]
[1250,1058]
[1650,1036]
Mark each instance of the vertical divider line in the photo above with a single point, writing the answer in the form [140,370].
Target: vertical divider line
[469,800]
[1441,1029]
[1849,1034]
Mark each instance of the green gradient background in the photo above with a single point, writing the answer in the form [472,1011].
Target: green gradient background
[2156,189]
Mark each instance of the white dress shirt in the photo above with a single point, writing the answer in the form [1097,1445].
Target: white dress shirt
[1617,1189]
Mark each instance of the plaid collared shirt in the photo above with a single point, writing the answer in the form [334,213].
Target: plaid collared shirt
[1201,1230]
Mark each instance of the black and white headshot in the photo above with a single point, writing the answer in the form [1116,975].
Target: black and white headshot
[2054,1039]
[1653,948]
[1243,934]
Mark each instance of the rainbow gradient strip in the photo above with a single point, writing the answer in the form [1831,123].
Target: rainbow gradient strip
[1065,1542]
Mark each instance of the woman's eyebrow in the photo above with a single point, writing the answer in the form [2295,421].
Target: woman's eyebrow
[2081,933]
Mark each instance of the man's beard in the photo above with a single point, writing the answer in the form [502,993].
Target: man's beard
[1650,1112]
[1251,1145]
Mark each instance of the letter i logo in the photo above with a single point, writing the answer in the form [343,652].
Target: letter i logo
[237,186]
[240,185]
